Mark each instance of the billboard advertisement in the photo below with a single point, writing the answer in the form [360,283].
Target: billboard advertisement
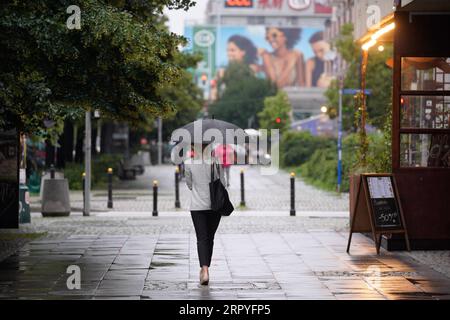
[289,57]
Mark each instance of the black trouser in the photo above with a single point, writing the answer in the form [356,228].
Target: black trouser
[205,224]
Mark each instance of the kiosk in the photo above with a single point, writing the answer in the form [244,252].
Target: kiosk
[420,120]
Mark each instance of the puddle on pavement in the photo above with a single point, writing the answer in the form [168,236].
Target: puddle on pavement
[155,265]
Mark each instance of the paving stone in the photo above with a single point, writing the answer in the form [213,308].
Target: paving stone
[260,253]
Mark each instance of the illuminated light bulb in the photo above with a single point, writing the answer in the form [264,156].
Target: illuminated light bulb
[383,30]
[366,46]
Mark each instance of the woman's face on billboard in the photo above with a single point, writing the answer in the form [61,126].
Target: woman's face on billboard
[234,53]
[320,48]
[276,38]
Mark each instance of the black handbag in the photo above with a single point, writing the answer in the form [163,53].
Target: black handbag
[220,201]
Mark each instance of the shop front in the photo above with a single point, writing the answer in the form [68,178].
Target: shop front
[420,120]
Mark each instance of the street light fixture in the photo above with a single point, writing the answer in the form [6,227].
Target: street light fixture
[373,39]
[339,142]
[324,109]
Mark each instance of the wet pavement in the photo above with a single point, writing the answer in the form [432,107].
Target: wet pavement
[309,264]
[260,251]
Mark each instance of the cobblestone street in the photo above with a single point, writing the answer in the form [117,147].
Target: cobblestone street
[262,193]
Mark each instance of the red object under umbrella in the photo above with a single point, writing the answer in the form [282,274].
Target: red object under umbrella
[225,152]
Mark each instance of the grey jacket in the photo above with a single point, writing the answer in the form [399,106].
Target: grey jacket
[198,177]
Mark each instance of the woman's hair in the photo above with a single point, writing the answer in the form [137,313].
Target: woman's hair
[316,37]
[246,45]
[292,35]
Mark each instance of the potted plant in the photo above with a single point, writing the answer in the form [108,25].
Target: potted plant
[372,156]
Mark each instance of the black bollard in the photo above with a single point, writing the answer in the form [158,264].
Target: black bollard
[155,198]
[52,171]
[242,189]
[292,194]
[177,188]
[110,200]
[83,179]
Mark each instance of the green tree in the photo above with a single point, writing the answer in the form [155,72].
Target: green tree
[243,96]
[276,108]
[184,94]
[120,61]
[378,79]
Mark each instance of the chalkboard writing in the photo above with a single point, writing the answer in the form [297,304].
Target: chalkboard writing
[384,204]
[386,213]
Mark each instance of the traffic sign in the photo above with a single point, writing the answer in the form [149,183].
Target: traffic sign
[355,91]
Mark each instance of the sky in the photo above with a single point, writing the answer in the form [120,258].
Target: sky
[177,18]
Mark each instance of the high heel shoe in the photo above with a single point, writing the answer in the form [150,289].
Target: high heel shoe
[204,278]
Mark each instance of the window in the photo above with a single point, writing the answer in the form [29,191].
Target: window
[425,112]
[432,112]
[425,74]
[425,150]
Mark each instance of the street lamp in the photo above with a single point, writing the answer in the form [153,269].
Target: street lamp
[339,143]
[323,109]
[87,164]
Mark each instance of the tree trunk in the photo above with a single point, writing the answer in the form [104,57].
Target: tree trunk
[66,145]
[79,146]
[49,154]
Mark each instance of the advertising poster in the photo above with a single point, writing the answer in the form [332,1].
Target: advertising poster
[289,57]
[203,40]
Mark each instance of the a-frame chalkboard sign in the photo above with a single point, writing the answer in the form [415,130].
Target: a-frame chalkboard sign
[377,208]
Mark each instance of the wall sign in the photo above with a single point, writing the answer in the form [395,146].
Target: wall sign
[239,3]
[204,38]
[281,7]
[377,208]
[299,4]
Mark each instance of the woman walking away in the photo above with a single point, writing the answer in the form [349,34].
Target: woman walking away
[198,176]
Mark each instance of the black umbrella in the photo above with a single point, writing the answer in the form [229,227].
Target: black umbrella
[198,136]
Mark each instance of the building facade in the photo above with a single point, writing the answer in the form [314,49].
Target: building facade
[363,15]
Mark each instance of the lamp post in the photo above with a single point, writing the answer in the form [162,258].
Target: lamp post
[160,143]
[219,28]
[87,164]
[339,143]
